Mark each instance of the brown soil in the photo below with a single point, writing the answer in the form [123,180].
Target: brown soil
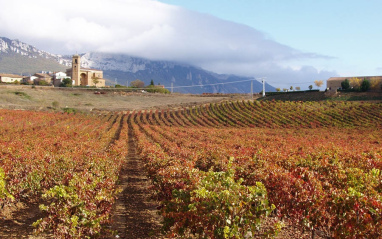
[16,220]
[134,212]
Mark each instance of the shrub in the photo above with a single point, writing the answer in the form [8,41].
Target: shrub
[66,82]
[69,110]
[365,86]
[155,89]
[55,104]
[43,82]
[345,84]
[220,207]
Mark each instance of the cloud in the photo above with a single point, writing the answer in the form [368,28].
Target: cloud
[150,29]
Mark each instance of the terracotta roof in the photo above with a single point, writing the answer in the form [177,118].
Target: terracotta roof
[42,75]
[10,75]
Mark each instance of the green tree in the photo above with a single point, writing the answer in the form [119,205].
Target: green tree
[345,84]
[365,86]
[310,87]
[278,89]
[291,87]
[152,82]
[95,81]
[67,82]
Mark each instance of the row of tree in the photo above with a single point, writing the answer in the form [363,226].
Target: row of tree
[152,88]
[357,84]
[318,83]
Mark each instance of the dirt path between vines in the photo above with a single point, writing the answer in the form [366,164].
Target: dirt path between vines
[134,213]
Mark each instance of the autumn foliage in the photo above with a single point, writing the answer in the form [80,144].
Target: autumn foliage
[217,170]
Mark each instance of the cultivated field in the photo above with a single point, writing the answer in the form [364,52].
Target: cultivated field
[235,169]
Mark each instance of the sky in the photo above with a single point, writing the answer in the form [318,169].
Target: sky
[287,43]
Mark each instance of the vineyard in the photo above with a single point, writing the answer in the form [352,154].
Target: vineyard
[241,169]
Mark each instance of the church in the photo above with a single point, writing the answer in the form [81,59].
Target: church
[84,76]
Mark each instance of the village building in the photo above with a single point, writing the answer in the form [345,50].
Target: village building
[84,76]
[58,77]
[29,79]
[334,83]
[10,78]
[42,77]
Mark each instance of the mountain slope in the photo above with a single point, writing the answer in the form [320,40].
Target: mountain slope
[122,69]
[20,58]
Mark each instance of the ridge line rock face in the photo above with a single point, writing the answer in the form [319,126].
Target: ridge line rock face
[15,46]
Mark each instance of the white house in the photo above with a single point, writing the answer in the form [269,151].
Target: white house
[58,77]
[10,78]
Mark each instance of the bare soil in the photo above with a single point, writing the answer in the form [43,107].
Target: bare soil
[16,220]
[135,213]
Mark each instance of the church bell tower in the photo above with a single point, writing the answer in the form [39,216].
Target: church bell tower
[76,66]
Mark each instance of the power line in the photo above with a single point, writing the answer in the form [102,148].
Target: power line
[223,83]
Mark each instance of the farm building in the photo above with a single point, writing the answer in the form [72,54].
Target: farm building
[334,83]
[84,76]
[42,77]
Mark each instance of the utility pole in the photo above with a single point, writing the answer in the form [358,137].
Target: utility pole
[263,81]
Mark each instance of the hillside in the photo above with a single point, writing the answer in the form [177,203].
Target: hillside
[21,65]
[20,58]
[48,98]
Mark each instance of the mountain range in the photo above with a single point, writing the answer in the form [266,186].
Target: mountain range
[21,58]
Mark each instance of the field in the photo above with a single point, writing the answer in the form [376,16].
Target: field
[234,169]
[85,100]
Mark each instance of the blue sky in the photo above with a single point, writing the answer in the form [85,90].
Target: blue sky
[350,31]
[290,42]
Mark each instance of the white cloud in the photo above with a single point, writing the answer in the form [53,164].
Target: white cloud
[150,29]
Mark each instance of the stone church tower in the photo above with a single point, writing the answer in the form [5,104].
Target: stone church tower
[76,67]
[84,76]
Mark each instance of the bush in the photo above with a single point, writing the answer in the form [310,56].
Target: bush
[365,86]
[120,86]
[69,110]
[155,89]
[55,104]
[345,84]
[43,82]
[66,82]
[219,207]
